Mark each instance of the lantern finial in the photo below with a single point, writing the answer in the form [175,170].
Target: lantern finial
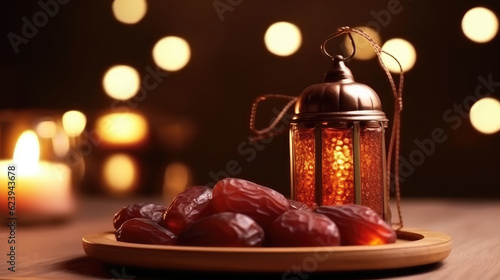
[338,71]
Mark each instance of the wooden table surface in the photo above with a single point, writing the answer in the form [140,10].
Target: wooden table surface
[55,251]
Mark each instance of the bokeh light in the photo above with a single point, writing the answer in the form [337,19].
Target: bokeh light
[364,50]
[121,82]
[120,173]
[283,38]
[122,128]
[74,123]
[485,115]
[61,144]
[403,51]
[46,129]
[480,25]
[177,178]
[129,11]
[171,53]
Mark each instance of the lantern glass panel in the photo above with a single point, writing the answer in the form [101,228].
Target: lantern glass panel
[337,162]
[337,168]
[372,168]
[303,167]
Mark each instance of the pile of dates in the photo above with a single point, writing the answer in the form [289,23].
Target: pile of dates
[240,213]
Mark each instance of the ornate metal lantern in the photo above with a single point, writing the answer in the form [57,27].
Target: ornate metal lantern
[337,138]
[337,146]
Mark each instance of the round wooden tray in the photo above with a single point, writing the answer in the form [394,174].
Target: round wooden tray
[414,247]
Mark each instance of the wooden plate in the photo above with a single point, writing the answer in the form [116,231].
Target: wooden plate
[414,247]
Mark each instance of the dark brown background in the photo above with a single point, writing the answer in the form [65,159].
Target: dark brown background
[61,68]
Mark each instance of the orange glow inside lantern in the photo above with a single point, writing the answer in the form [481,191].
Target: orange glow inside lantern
[337,144]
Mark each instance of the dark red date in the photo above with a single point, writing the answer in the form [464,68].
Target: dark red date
[296,228]
[260,203]
[145,231]
[139,210]
[225,229]
[187,207]
[359,225]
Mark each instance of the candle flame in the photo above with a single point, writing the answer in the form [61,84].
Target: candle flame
[120,173]
[122,128]
[27,151]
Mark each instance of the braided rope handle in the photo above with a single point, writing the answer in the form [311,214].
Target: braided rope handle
[269,131]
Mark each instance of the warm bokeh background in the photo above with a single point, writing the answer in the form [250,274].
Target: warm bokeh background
[198,116]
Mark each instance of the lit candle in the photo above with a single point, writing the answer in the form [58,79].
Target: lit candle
[42,189]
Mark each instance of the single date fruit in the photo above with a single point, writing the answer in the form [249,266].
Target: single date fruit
[145,231]
[187,207]
[224,229]
[359,225]
[296,228]
[260,203]
[139,210]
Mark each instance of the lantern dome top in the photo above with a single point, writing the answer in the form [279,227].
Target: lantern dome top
[339,97]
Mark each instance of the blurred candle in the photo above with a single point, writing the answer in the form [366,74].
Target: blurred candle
[42,189]
[120,174]
[122,129]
